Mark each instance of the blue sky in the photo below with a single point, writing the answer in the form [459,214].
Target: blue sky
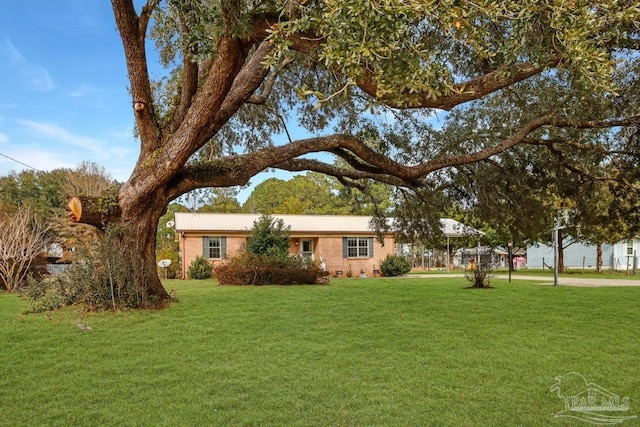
[63,87]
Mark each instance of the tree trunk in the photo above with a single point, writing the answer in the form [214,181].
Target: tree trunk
[599,257]
[143,234]
[139,222]
[90,210]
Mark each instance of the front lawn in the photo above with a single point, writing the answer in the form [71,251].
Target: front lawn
[359,352]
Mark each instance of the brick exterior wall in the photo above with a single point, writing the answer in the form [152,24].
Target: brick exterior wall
[328,248]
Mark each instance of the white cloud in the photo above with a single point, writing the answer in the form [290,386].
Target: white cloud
[12,53]
[123,134]
[18,158]
[54,132]
[53,146]
[120,174]
[37,76]
[3,138]
[33,157]
[83,90]
[41,80]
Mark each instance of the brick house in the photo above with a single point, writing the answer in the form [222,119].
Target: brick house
[342,243]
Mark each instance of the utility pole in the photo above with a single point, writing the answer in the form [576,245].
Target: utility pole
[556,247]
[510,258]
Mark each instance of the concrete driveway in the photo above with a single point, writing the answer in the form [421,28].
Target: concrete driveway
[573,281]
[562,281]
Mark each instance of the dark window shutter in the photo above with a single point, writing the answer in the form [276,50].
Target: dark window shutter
[205,247]
[370,247]
[344,248]
[223,247]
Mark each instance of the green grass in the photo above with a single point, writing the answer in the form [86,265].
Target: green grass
[359,352]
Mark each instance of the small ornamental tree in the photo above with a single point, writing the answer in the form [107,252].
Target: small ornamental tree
[479,277]
[22,238]
[269,237]
[395,265]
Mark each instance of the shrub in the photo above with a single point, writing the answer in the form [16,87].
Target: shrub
[265,260]
[199,269]
[252,269]
[479,276]
[395,265]
[98,277]
[49,293]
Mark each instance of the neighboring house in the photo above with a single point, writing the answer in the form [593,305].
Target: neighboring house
[54,255]
[619,256]
[497,258]
[343,244]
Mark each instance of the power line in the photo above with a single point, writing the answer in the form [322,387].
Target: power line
[18,161]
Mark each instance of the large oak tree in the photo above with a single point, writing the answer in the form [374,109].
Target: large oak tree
[237,69]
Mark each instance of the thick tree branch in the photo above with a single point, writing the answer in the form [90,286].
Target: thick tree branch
[159,166]
[237,170]
[261,98]
[244,85]
[470,90]
[199,124]
[145,15]
[189,85]
[301,165]
[464,92]
[562,122]
[355,162]
[133,32]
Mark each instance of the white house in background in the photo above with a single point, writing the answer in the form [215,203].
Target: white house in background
[619,256]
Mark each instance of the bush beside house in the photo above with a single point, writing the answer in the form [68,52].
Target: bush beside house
[395,265]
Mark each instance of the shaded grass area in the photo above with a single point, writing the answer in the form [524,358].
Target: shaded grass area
[383,352]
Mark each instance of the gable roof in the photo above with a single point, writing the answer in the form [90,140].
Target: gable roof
[453,228]
[188,221]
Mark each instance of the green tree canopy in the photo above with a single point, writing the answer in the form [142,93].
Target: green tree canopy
[311,194]
[222,200]
[236,72]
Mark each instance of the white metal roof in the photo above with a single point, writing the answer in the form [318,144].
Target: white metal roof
[453,228]
[244,222]
[238,222]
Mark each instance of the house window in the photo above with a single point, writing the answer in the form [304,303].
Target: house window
[307,248]
[630,247]
[214,247]
[358,247]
